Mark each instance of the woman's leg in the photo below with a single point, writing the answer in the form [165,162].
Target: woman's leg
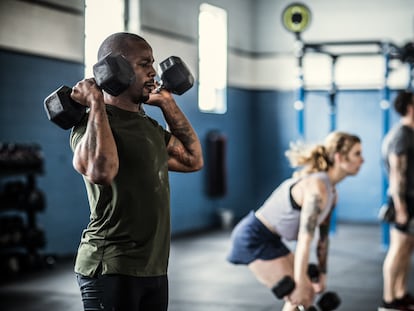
[269,272]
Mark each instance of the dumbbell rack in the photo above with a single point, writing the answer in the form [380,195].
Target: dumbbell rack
[21,237]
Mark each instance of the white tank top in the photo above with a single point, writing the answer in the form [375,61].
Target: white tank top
[279,213]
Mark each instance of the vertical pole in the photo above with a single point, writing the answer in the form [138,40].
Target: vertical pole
[385,106]
[332,126]
[132,22]
[332,97]
[410,85]
[299,104]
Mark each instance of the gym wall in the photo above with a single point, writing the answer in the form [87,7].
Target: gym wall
[41,47]
[265,66]
[29,74]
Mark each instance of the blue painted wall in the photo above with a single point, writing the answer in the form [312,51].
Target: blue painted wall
[357,112]
[274,127]
[258,125]
[25,82]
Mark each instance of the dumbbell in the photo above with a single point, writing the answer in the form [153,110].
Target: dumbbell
[114,75]
[175,75]
[328,301]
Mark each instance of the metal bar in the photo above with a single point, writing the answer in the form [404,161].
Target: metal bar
[385,106]
[383,47]
[356,42]
[70,9]
[332,118]
[300,96]
[410,85]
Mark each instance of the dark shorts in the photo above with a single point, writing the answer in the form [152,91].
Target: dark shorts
[409,227]
[123,293]
[251,240]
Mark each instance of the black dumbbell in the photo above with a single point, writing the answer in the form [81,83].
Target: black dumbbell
[328,301]
[114,74]
[175,75]
[313,273]
[286,285]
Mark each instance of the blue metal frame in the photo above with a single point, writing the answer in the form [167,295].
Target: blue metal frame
[332,125]
[385,106]
[300,95]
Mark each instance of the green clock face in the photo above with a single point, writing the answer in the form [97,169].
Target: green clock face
[296,17]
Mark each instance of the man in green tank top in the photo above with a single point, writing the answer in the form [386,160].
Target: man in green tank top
[124,157]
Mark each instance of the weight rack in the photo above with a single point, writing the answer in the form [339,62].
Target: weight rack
[21,237]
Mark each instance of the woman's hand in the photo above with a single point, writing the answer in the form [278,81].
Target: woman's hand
[303,294]
[320,286]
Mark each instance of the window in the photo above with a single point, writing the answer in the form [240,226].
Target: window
[212,92]
[102,17]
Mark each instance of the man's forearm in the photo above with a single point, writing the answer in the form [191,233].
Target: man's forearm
[179,126]
[184,148]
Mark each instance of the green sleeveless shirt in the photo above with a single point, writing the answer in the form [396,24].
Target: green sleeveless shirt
[129,228]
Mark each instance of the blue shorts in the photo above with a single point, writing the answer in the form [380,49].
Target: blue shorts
[251,240]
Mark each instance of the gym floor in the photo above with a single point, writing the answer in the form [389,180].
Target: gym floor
[202,280]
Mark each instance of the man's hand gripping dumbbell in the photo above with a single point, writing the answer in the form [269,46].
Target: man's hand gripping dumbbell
[114,75]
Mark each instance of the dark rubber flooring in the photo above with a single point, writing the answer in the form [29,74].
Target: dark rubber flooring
[202,280]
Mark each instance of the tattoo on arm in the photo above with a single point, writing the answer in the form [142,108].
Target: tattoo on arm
[322,246]
[175,150]
[184,134]
[184,148]
[400,176]
[310,213]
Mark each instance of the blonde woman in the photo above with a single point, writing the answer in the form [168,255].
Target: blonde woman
[294,211]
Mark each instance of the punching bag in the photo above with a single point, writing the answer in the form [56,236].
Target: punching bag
[216,164]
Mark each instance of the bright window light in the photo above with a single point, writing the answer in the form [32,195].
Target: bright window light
[212,91]
[102,17]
